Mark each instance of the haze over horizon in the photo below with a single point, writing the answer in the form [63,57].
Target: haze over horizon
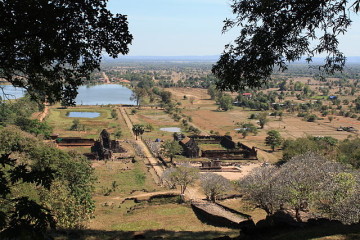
[192,27]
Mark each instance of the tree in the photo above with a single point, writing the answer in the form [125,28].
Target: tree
[138,130]
[50,47]
[225,102]
[213,92]
[262,117]
[273,139]
[118,133]
[76,125]
[214,185]
[170,149]
[246,128]
[302,178]
[149,127]
[349,152]
[307,182]
[339,199]
[138,95]
[261,188]
[114,113]
[274,32]
[183,175]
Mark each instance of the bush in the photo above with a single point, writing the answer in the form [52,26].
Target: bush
[312,118]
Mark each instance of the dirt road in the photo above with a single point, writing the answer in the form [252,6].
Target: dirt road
[153,162]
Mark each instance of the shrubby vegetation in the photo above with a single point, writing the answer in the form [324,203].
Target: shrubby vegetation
[64,197]
[347,151]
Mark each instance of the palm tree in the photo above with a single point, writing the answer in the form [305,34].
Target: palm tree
[138,130]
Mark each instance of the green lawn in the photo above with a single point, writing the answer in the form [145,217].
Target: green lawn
[58,119]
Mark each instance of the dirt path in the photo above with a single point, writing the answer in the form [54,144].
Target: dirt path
[106,78]
[153,162]
[44,113]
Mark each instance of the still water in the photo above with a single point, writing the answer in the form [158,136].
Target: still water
[83,114]
[88,95]
[170,129]
[103,95]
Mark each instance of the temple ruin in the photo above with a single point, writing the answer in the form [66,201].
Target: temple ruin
[105,147]
[230,150]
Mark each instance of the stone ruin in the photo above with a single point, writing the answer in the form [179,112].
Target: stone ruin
[104,148]
[212,165]
[232,150]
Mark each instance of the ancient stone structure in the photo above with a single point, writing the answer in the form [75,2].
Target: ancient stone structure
[74,142]
[232,151]
[218,215]
[191,148]
[105,147]
[212,165]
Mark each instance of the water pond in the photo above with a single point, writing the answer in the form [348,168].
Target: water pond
[170,129]
[87,95]
[103,95]
[83,114]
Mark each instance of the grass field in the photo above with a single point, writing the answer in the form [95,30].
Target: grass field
[93,126]
[157,118]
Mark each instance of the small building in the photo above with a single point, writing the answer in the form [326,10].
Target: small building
[332,97]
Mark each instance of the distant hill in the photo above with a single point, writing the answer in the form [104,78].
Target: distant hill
[320,60]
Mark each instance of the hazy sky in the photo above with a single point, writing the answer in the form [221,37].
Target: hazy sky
[191,27]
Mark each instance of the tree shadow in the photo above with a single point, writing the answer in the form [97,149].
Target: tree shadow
[287,228]
[349,232]
[128,235]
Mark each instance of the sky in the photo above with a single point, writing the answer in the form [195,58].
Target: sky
[192,27]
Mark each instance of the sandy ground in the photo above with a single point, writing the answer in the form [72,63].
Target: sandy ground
[245,170]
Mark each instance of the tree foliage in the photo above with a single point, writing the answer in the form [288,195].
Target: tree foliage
[274,32]
[138,130]
[49,47]
[214,185]
[260,187]
[225,102]
[307,182]
[170,149]
[273,139]
[183,175]
[43,186]
[246,128]
[322,145]
[12,110]
[34,126]
[262,117]
[138,95]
